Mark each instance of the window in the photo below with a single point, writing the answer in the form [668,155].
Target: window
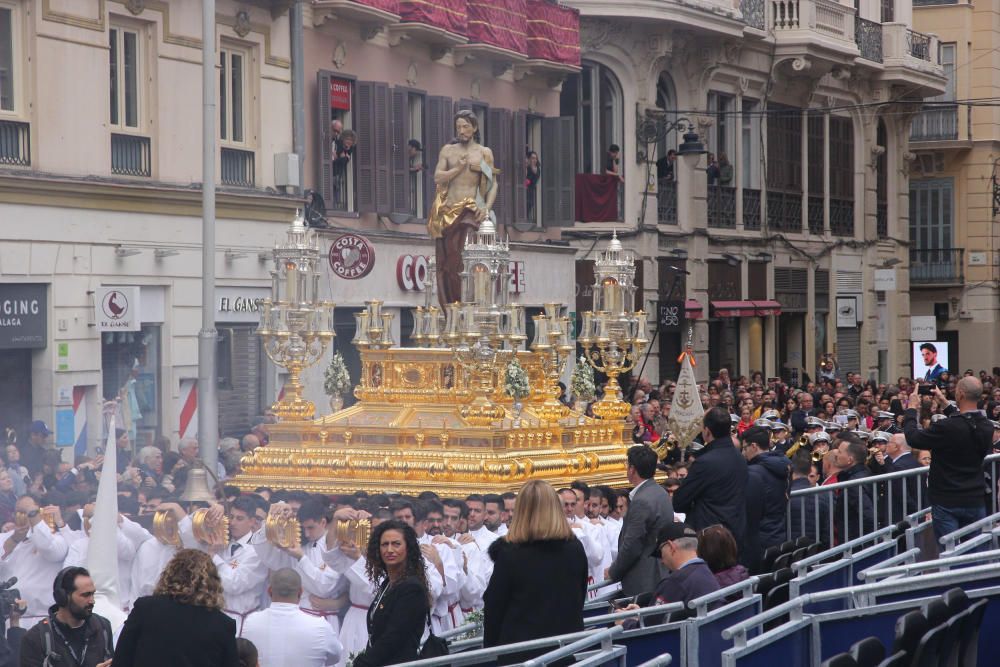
[940,122]
[419,162]
[6,59]
[784,148]
[124,72]
[595,99]
[721,137]
[931,213]
[750,133]
[232,95]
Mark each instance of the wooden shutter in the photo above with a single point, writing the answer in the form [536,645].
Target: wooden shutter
[439,131]
[364,151]
[383,150]
[499,142]
[519,208]
[324,176]
[558,174]
[400,157]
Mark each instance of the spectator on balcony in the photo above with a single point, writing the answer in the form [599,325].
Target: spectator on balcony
[725,171]
[712,170]
[343,150]
[665,166]
[533,172]
[612,165]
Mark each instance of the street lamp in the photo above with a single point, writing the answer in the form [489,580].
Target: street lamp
[295,324]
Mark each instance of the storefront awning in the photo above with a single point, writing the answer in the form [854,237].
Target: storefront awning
[765,308]
[733,309]
[692,309]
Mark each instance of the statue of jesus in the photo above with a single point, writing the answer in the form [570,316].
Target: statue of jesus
[466,190]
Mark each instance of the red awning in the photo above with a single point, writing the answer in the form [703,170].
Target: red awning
[692,309]
[765,308]
[734,308]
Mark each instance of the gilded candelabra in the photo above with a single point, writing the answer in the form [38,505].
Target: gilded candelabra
[484,331]
[613,334]
[373,328]
[553,343]
[295,324]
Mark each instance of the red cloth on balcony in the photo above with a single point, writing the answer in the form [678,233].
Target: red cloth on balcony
[553,32]
[450,15]
[384,5]
[500,23]
[596,198]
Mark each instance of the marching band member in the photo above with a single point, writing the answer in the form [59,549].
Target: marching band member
[34,552]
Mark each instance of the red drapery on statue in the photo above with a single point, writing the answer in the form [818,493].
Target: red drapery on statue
[596,198]
[384,5]
[450,15]
[553,32]
[500,23]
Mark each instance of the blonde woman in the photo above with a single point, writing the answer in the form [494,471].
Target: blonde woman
[182,623]
[539,580]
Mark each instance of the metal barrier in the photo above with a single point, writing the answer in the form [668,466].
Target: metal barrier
[459,631]
[895,571]
[985,525]
[607,653]
[866,497]
[661,661]
[487,655]
[703,642]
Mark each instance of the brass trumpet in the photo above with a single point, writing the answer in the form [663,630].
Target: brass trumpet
[354,531]
[283,530]
[210,533]
[165,528]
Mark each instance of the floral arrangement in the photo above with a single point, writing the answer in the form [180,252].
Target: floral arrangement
[336,378]
[515,383]
[582,382]
[475,617]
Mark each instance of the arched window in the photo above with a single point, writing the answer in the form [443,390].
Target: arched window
[666,99]
[594,98]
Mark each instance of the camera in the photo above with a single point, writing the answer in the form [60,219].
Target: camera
[8,598]
[925,390]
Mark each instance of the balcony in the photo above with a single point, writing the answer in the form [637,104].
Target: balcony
[238,168]
[937,267]
[841,217]
[666,203]
[784,211]
[721,207]
[815,215]
[751,209]
[868,36]
[754,13]
[130,155]
[812,36]
[911,59]
[15,143]
[938,124]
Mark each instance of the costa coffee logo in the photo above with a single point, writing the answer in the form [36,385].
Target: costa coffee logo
[412,272]
[352,257]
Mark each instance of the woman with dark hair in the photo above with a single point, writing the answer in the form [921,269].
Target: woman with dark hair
[399,614]
[246,652]
[717,547]
[182,623]
[539,581]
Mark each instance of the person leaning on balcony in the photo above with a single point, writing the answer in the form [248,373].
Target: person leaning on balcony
[725,171]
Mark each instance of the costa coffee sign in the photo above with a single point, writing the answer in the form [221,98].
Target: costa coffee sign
[352,257]
[413,272]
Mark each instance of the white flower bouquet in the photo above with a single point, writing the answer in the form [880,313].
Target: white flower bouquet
[582,382]
[337,380]
[515,383]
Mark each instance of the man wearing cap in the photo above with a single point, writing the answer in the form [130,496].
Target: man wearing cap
[32,451]
[878,463]
[689,578]
[766,495]
[886,421]
[779,437]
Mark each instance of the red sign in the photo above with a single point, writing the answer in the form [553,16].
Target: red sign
[412,272]
[352,257]
[340,94]
[517,281]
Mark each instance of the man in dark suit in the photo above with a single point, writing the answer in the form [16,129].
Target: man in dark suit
[648,511]
[798,420]
[904,491]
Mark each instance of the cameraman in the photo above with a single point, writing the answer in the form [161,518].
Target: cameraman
[958,445]
[71,634]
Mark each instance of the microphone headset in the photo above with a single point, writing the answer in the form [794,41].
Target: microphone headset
[64,584]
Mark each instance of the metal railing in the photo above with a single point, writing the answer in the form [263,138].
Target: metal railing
[815,215]
[886,571]
[721,207]
[751,209]
[874,500]
[882,220]
[841,217]
[607,652]
[130,155]
[754,13]
[937,124]
[238,167]
[918,45]
[937,266]
[15,143]
[784,211]
[868,36]
[666,203]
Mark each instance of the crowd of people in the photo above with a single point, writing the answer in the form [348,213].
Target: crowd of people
[523,563]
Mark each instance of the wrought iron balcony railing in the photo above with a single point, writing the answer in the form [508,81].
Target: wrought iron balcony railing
[868,35]
[721,207]
[238,167]
[751,209]
[784,211]
[666,203]
[882,220]
[841,217]
[754,13]
[130,155]
[937,266]
[938,124]
[15,143]
[919,45]
[815,215]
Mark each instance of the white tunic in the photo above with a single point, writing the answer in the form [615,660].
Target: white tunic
[317,578]
[479,569]
[286,636]
[446,610]
[244,578]
[354,629]
[592,539]
[35,562]
[150,560]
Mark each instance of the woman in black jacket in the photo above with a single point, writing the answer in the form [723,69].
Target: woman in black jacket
[182,623]
[399,614]
[539,580]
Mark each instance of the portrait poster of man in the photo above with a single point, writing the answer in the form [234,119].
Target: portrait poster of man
[930,360]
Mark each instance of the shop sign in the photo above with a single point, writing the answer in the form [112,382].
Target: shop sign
[23,316]
[670,316]
[117,309]
[413,272]
[239,304]
[352,257]
[847,312]
[923,327]
[340,94]
[517,277]
[885,280]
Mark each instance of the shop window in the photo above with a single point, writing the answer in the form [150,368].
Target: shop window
[130,364]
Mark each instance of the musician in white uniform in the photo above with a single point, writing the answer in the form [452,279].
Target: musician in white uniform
[33,553]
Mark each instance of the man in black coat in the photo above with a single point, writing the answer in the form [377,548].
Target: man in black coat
[798,419]
[860,515]
[73,633]
[714,489]
[809,515]
[904,497]
[766,495]
[648,511]
[958,445]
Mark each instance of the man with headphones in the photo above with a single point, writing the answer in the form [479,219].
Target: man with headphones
[72,635]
